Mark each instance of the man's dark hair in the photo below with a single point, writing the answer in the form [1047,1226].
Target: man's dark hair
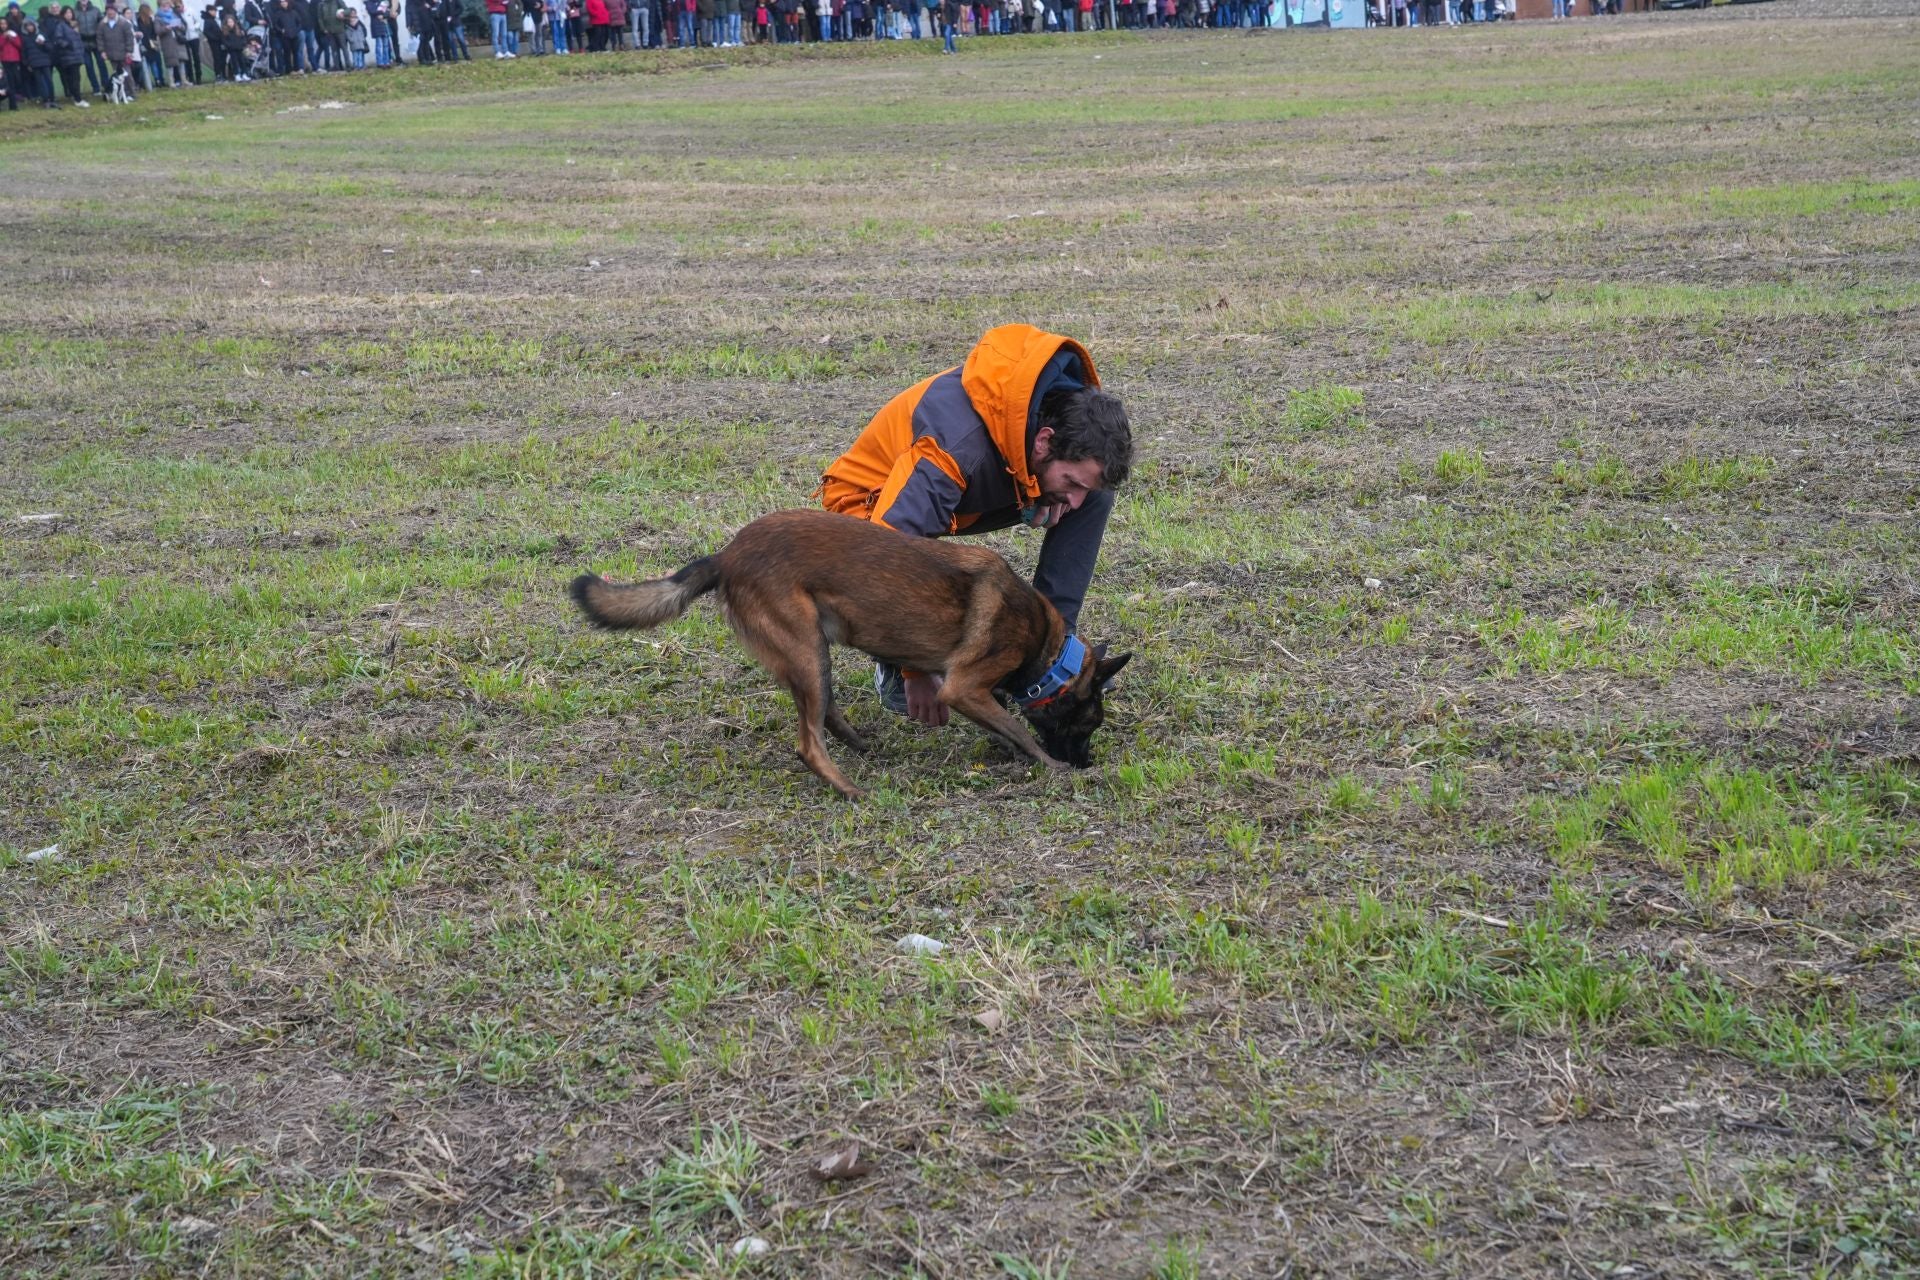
[1089,423]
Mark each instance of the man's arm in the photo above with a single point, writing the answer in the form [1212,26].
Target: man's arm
[921,492]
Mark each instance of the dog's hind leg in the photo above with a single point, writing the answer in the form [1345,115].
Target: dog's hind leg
[836,723]
[788,643]
[837,726]
[830,631]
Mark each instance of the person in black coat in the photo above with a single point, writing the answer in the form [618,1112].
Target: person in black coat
[39,61]
[420,21]
[283,24]
[453,27]
[229,44]
[66,50]
[210,29]
[309,38]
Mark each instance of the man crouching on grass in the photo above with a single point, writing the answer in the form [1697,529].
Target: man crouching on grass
[1019,433]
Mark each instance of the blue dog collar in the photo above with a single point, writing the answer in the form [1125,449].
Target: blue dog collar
[1073,656]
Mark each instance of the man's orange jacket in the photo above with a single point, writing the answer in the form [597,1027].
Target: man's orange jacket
[951,452]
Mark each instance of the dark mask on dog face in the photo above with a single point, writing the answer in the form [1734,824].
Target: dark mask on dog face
[1065,726]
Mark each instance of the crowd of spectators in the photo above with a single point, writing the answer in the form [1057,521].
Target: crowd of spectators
[122,50]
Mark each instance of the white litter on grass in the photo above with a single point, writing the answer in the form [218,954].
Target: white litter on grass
[386,251]
[298,106]
[919,944]
[47,854]
[473,271]
[750,1247]
[1373,584]
[216,117]
[39,517]
[335,106]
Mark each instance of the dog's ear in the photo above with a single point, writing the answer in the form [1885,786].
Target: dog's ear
[1106,668]
[1088,678]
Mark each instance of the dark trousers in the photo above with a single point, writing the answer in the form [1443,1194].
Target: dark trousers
[96,70]
[1068,555]
[16,84]
[70,80]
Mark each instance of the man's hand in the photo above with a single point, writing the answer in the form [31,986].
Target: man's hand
[923,700]
[1048,514]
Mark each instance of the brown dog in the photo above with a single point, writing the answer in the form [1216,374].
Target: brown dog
[794,582]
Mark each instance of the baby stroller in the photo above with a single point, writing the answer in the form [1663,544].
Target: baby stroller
[254,64]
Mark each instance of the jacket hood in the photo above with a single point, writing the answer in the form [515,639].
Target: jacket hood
[1000,377]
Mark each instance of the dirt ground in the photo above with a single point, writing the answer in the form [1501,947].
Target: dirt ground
[1501,858]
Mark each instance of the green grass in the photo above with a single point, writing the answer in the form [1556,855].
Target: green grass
[1724,828]
[1326,407]
[1805,631]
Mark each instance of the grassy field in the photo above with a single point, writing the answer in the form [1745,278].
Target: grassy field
[1504,855]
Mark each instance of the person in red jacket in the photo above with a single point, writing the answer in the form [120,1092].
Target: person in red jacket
[13,64]
[497,27]
[598,20]
[1021,433]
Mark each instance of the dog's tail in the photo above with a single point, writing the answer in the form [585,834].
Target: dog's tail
[644,604]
